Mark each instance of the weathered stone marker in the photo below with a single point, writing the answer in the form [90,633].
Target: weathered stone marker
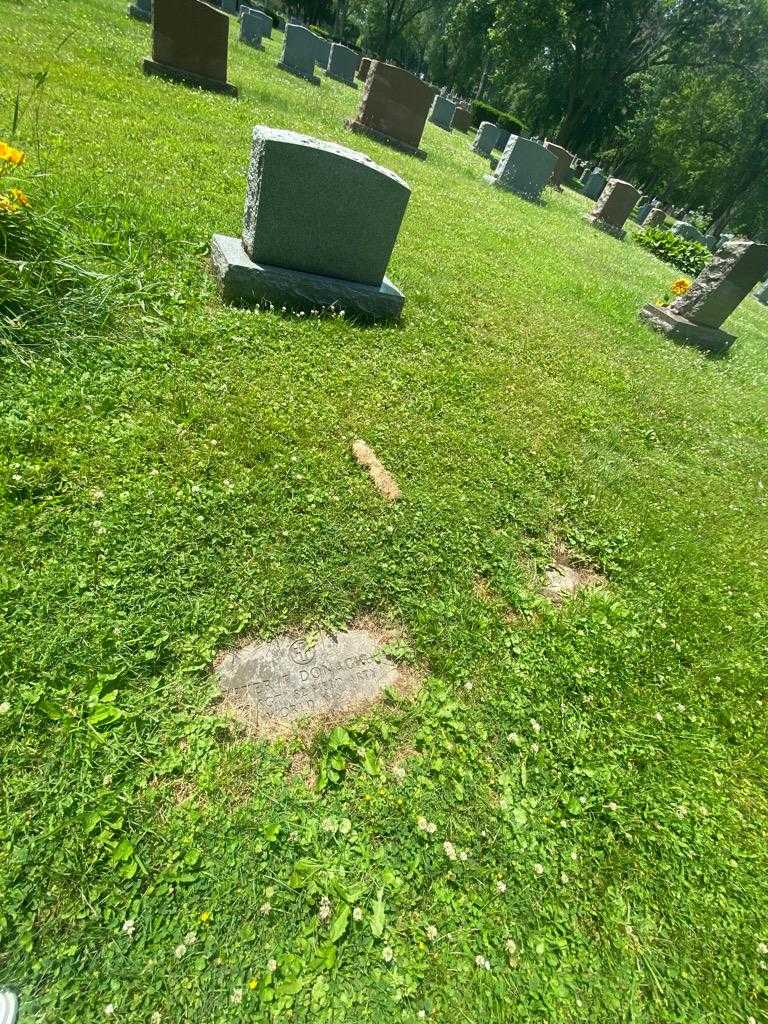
[594,184]
[343,64]
[525,168]
[562,166]
[393,108]
[189,44]
[280,682]
[655,218]
[363,69]
[462,120]
[615,204]
[322,51]
[442,113]
[502,139]
[762,293]
[697,316]
[141,10]
[250,28]
[299,53]
[319,228]
[485,140]
[264,20]
[689,232]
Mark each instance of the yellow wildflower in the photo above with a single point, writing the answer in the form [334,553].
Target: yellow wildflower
[19,197]
[252,984]
[680,286]
[10,155]
[205,916]
[6,206]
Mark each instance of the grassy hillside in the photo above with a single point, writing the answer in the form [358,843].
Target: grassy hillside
[176,474]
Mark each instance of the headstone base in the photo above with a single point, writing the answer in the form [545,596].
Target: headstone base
[603,225]
[344,81]
[493,180]
[712,339]
[362,129]
[140,15]
[255,44]
[494,162]
[152,67]
[299,74]
[243,282]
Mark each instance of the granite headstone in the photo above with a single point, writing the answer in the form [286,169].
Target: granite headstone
[189,44]
[524,168]
[563,162]
[320,224]
[393,108]
[299,53]
[697,316]
[250,28]
[485,140]
[342,65]
[615,204]
[594,184]
[442,112]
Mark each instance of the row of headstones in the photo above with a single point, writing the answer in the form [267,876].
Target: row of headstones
[308,254]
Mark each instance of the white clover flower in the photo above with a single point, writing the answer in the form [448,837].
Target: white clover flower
[681,811]
[96,494]
[483,962]
[463,855]
[155,1018]
[5,707]
[357,914]
[324,910]
[536,726]
[450,850]
[513,738]
[431,932]
[265,908]
[328,824]
[564,878]
[511,947]
[109,1009]
[538,869]
[180,950]
[501,886]
[271,966]
[762,948]
[129,927]
[236,997]
[574,855]
[468,685]
[535,748]
[399,772]
[659,717]
[422,823]
[388,954]
[190,938]
[431,828]
[422,1014]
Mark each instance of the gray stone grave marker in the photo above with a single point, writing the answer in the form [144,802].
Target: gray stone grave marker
[502,139]
[696,317]
[320,224]
[299,53]
[322,51]
[281,682]
[442,112]
[343,64]
[250,28]
[525,168]
[655,218]
[265,21]
[485,140]
[563,162]
[689,232]
[594,184]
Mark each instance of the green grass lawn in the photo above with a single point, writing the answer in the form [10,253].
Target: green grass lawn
[177,474]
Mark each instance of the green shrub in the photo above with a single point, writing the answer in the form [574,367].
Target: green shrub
[690,257]
[320,32]
[485,112]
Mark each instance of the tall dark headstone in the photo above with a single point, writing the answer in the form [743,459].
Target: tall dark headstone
[562,165]
[615,204]
[189,44]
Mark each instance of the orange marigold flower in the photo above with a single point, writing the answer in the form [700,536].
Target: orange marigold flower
[6,206]
[10,155]
[680,286]
[19,197]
